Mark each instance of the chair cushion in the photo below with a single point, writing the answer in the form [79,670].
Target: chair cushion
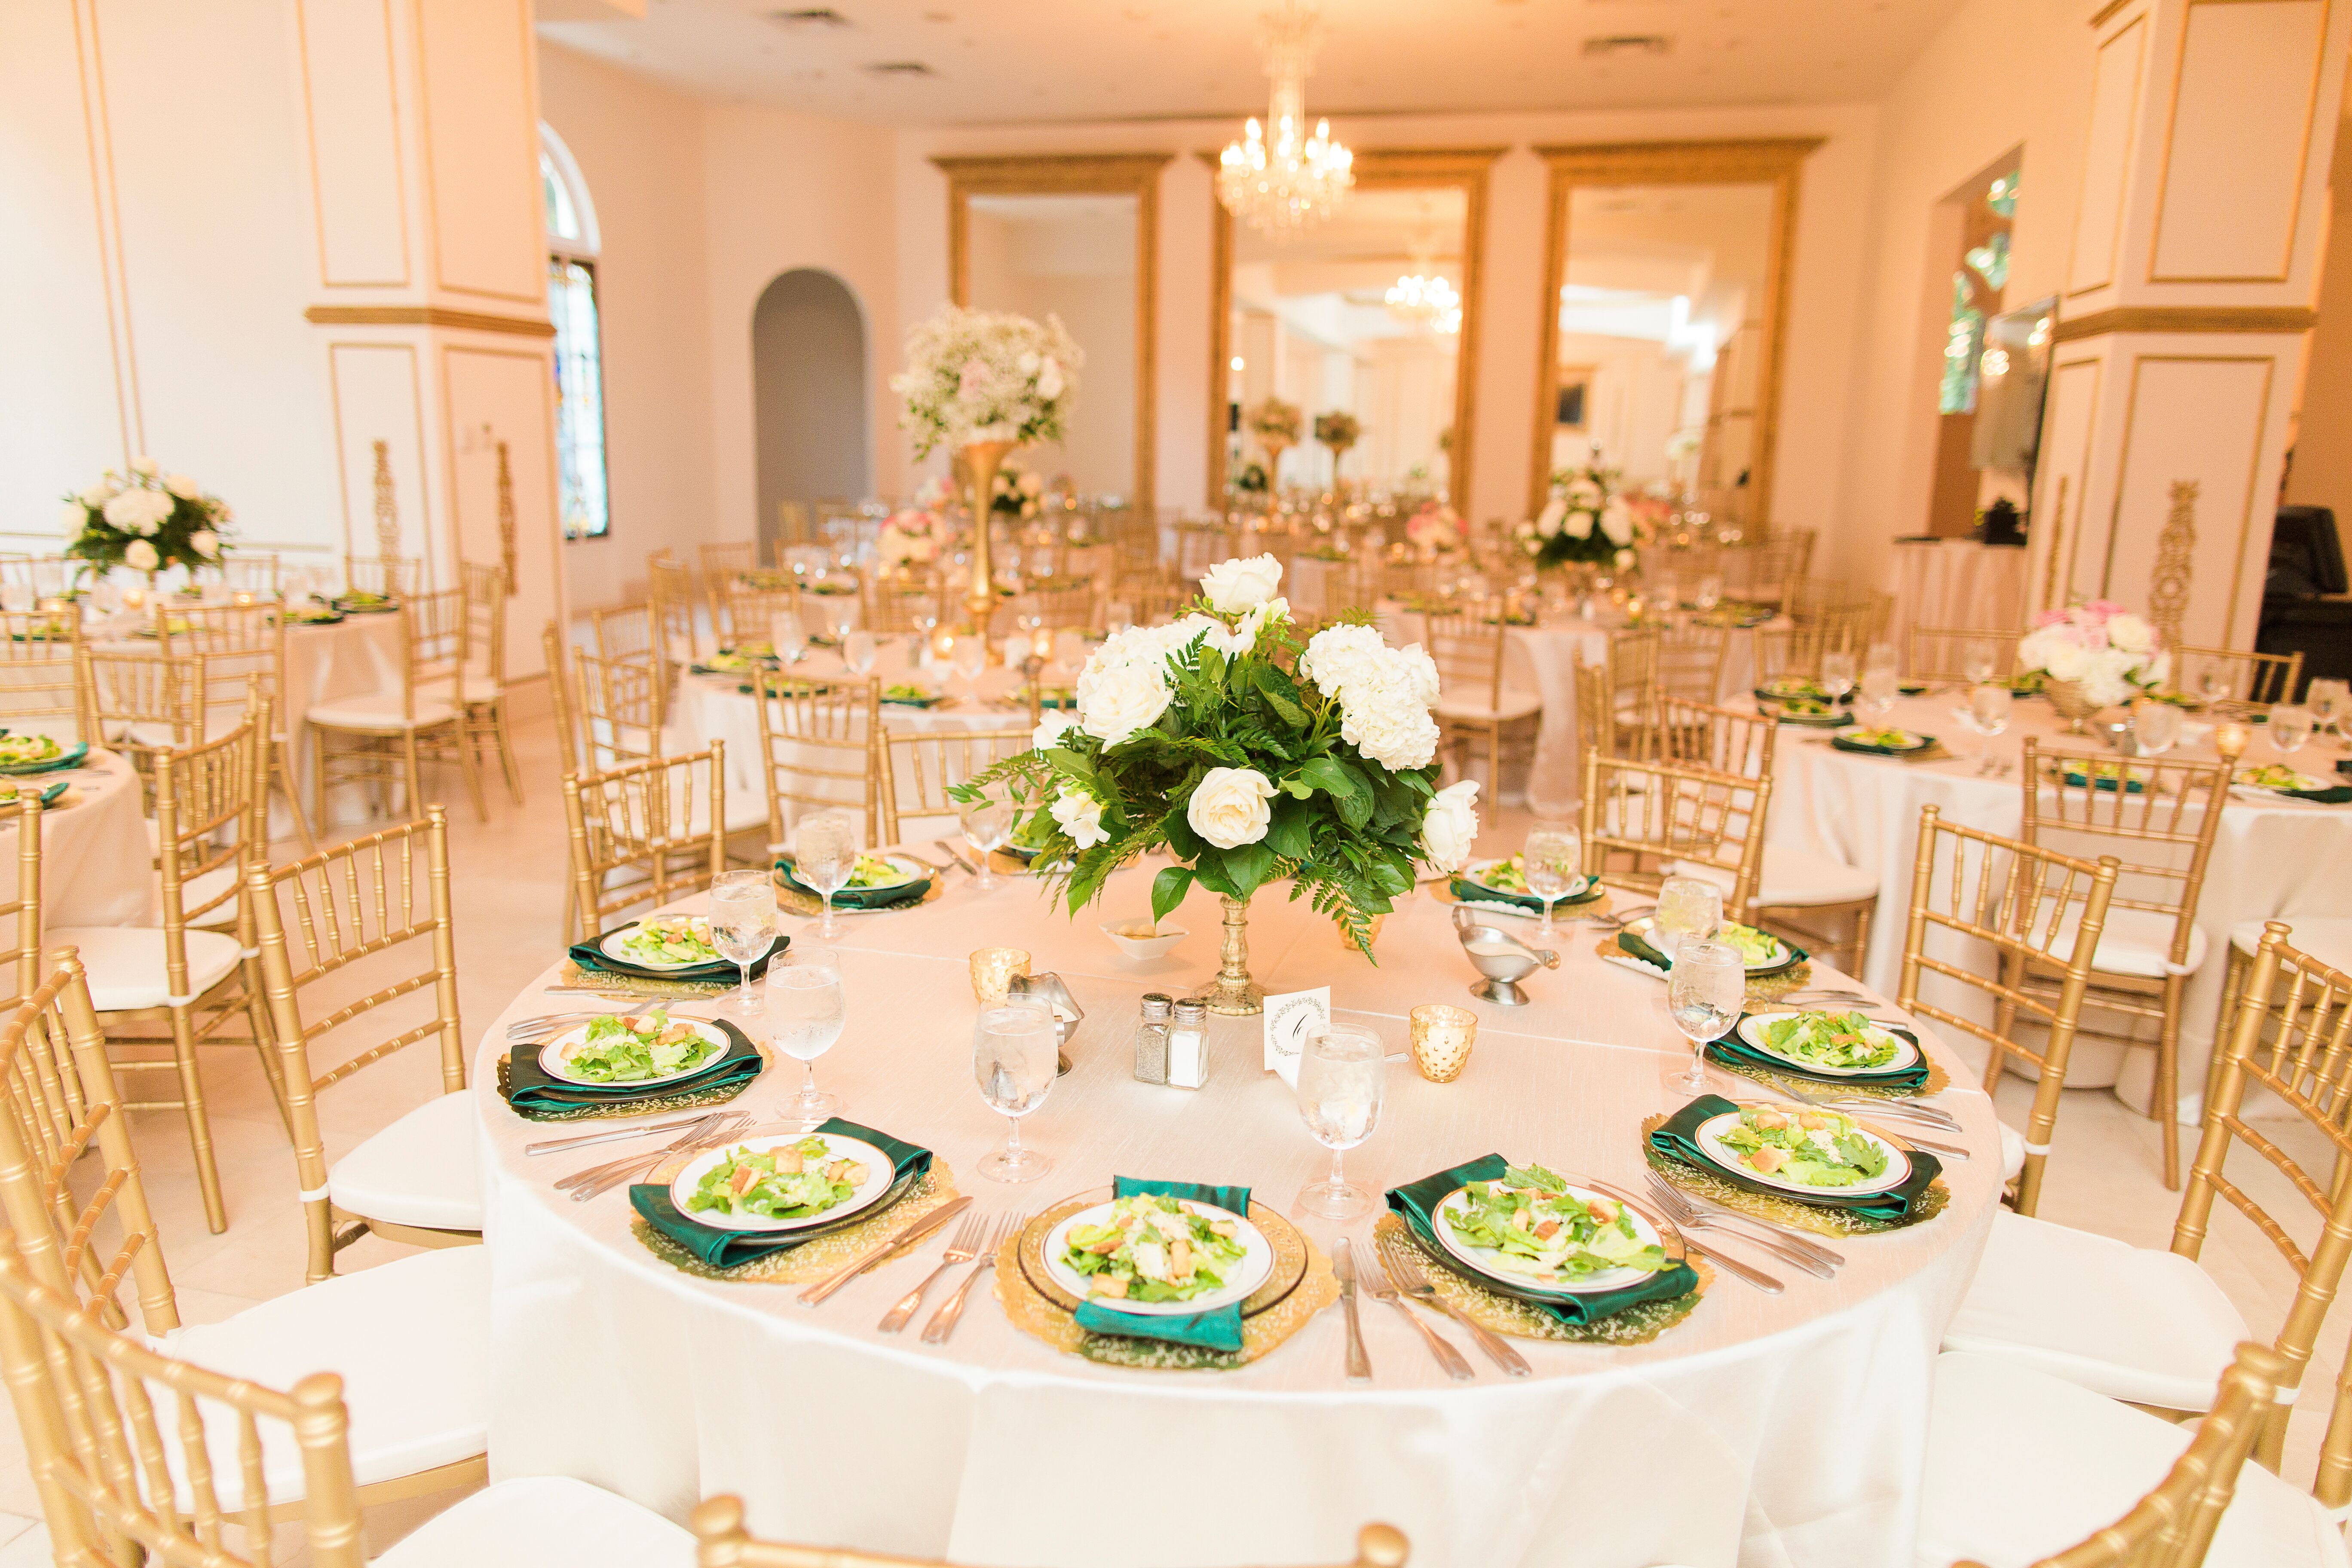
[126,963]
[419,1171]
[2021,1466]
[1799,879]
[1513,705]
[2130,1322]
[379,712]
[412,1340]
[482,688]
[2327,938]
[543,1521]
[2133,941]
[2012,1151]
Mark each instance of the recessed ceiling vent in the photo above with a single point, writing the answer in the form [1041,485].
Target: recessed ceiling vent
[814,17]
[907,68]
[1621,45]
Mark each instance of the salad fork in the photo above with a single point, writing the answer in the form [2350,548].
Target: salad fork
[962,1250]
[733,1128]
[689,1138]
[1911,1112]
[1818,1262]
[1405,1270]
[946,1315]
[1375,1282]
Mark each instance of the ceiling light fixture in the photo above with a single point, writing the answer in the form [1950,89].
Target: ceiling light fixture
[1277,178]
[1426,300]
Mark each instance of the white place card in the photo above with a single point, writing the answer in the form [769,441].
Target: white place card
[1291,1017]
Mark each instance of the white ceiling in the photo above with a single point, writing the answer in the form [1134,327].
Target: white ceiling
[1023,61]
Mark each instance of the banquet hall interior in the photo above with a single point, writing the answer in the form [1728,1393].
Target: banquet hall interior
[1268,781]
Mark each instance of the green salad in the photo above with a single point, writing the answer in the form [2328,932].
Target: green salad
[794,1181]
[1886,736]
[1755,946]
[1539,1228]
[2269,776]
[18,750]
[1503,876]
[876,871]
[1155,1249]
[681,939]
[1794,687]
[1808,1148]
[1831,1040]
[1805,707]
[632,1050]
[905,691]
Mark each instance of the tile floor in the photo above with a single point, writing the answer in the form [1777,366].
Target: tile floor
[508,902]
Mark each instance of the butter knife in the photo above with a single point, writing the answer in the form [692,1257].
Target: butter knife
[1343,1265]
[873,1255]
[952,853]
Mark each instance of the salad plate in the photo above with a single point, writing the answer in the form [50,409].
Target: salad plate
[39,753]
[1811,711]
[1797,688]
[1882,740]
[877,882]
[1797,1149]
[679,941]
[1765,953]
[1828,1043]
[48,793]
[787,1182]
[2272,781]
[1506,878]
[615,1053]
[1123,1256]
[906,694]
[1596,1241]
[366,604]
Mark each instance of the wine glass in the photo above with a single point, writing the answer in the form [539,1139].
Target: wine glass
[785,638]
[1710,591]
[1837,673]
[1977,661]
[1705,995]
[1989,709]
[2213,683]
[1690,909]
[987,822]
[1552,861]
[1341,1067]
[2290,727]
[808,1008]
[858,652]
[1881,655]
[1880,687]
[824,856]
[743,922]
[2156,725]
[2328,701]
[1014,1053]
[969,657]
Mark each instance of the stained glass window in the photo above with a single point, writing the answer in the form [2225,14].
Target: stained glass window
[582,497]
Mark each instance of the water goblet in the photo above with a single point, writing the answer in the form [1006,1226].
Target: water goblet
[1881,655]
[1710,591]
[1690,909]
[1014,1053]
[1837,673]
[987,822]
[858,652]
[1989,709]
[743,922]
[2328,700]
[2213,683]
[1978,660]
[825,856]
[1340,1072]
[969,657]
[1705,995]
[807,1009]
[785,636]
[1880,687]
[1552,861]
[2290,727]
[2155,724]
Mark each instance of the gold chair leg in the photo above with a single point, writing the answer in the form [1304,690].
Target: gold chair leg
[466,766]
[2233,980]
[506,750]
[414,802]
[283,768]
[320,760]
[2165,1099]
[1861,914]
[200,1129]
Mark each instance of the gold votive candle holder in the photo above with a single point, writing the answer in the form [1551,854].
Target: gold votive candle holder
[1371,933]
[993,973]
[1442,1039]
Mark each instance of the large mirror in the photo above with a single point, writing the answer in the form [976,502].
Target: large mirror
[1666,296]
[1370,315]
[1074,238]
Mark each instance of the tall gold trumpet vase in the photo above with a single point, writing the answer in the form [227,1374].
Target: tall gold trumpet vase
[1234,992]
[981,461]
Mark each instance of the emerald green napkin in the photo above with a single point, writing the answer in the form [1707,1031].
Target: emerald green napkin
[532,1086]
[1865,748]
[725,1249]
[888,898]
[591,956]
[1635,946]
[1678,1140]
[1417,1202]
[1733,1050]
[1219,1328]
[1473,892]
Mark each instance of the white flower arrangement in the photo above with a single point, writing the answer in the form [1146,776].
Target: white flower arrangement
[1275,421]
[980,375]
[912,537]
[2102,647]
[1435,527]
[146,521]
[1586,520]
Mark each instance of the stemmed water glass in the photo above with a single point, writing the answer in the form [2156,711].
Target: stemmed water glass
[858,652]
[743,922]
[1976,660]
[1705,995]
[1837,673]
[2290,727]
[1989,710]
[2213,683]
[1710,592]
[1014,1055]
[1690,909]
[2328,700]
[987,822]
[785,638]
[824,856]
[1551,861]
[1880,686]
[809,1009]
[2156,725]
[969,657]
[1340,1071]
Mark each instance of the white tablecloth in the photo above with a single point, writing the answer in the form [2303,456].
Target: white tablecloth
[96,869]
[1954,584]
[1782,1430]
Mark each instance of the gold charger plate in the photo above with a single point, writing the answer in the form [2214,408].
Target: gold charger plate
[1761,987]
[1290,1252]
[684,1099]
[1792,1212]
[1635,1325]
[793,900]
[826,1251]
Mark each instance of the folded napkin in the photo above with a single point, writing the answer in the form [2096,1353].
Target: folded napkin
[1734,1050]
[1865,747]
[1633,945]
[1417,1203]
[860,897]
[1219,1328]
[590,956]
[1678,1140]
[725,1249]
[1471,892]
[530,1085]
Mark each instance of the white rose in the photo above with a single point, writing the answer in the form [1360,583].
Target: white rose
[1233,586]
[96,496]
[1549,521]
[1244,637]
[1229,806]
[141,556]
[1449,826]
[1624,559]
[183,485]
[1337,655]
[1028,362]
[124,510]
[74,516]
[1578,524]
[1030,485]
[1617,520]
[1050,727]
[1080,815]
[2066,660]
[2129,631]
[1584,493]
[1119,694]
[205,542]
[145,468]
[1050,384]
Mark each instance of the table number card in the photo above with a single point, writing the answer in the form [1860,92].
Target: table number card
[1290,1019]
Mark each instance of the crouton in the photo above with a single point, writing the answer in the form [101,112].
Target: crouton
[1112,1285]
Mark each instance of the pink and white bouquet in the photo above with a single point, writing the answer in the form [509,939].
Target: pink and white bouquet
[2110,653]
[1435,527]
[910,538]
[979,376]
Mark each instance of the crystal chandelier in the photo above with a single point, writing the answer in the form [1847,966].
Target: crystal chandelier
[1280,182]
[1426,300]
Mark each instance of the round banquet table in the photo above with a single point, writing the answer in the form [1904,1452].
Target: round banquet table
[2272,858]
[97,867]
[1764,1429]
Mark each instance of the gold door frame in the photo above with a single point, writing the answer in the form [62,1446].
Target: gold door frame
[1778,163]
[1383,169]
[1133,175]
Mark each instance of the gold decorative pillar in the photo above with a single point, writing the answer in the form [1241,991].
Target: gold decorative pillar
[507,517]
[387,509]
[2176,554]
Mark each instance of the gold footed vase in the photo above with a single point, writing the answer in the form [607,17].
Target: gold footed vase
[2067,700]
[981,461]
[1234,993]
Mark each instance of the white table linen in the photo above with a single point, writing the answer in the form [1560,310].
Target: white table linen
[97,867]
[1954,584]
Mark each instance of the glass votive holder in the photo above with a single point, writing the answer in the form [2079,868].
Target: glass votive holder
[1442,1037]
[992,972]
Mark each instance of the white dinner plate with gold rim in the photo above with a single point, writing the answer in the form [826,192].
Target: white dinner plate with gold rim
[876,1181]
[1710,1142]
[555,1057]
[614,945]
[1751,1033]
[1485,1261]
[1255,1267]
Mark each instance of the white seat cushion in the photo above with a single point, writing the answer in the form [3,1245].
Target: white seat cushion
[1799,879]
[411,1340]
[126,963]
[2130,1322]
[419,1171]
[2327,938]
[2021,1466]
[378,711]
[2012,1151]
[1513,705]
[2132,942]
[544,1521]
[481,689]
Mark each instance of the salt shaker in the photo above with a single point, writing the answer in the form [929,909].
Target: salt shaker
[1151,1040]
[1188,1044]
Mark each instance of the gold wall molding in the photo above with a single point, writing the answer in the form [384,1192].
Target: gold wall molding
[425,316]
[1776,162]
[2057,540]
[2187,319]
[2107,10]
[2083,188]
[1107,173]
[311,142]
[387,510]
[507,517]
[2176,560]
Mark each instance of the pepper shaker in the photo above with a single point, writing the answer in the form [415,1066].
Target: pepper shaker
[1151,1039]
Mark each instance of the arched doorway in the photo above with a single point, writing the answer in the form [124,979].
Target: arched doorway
[808,375]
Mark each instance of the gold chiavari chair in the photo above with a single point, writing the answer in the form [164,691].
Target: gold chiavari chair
[167,991]
[669,590]
[1616,703]
[2024,905]
[484,687]
[901,603]
[621,711]
[918,768]
[722,561]
[251,571]
[386,576]
[1077,606]
[40,686]
[820,750]
[1644,822]
[20,911]
[141,704]
[1788,653]
[380,901]
[2257,678]
[645,833]
[560,698]
[410,1337]
[1690,660]
[1153,600]
[627,632]
[1472,705]
[242,644]
[751,612]
[1941,653]
[2159,817]
[380,737]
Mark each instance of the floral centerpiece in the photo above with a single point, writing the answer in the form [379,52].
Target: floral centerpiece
[2095,654]
[1253,757]
[1338,430]
[1436,528]
[1275,424]
[912,537]
[146,521]
[1586,521]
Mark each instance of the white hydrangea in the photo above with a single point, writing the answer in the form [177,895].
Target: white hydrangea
[1382,715]
[1337,655]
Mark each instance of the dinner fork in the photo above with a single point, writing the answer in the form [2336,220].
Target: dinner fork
[1787,1248]
[687,1140]
[726,1132]
[1404,1271]
[1905,1111]
[945,1316]
[1375,1281]
[962,1250]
